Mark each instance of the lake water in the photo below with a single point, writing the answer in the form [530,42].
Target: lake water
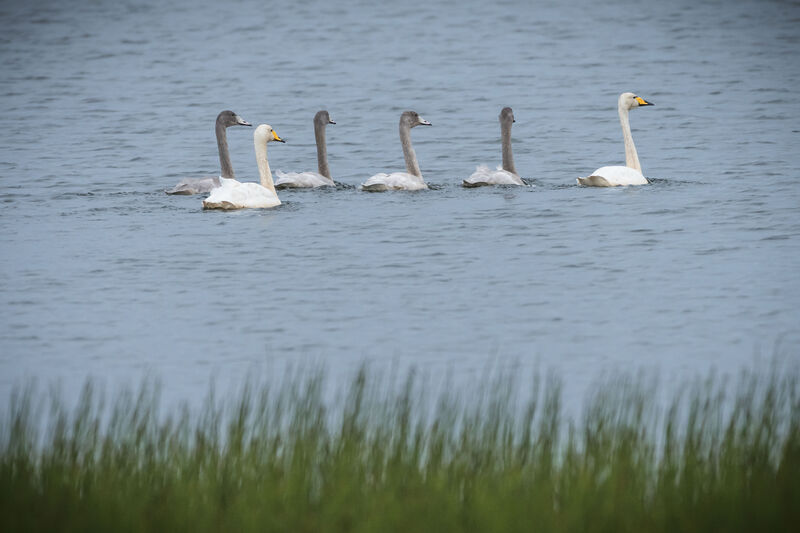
[106,104]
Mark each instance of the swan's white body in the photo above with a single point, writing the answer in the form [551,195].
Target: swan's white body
[411,179]
[506,174]
[614,177]
[631,173]
[232,194]
[396,181]
[296,180]
[483,175]
[203,185]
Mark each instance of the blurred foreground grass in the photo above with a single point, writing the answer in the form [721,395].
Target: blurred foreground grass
[387,457]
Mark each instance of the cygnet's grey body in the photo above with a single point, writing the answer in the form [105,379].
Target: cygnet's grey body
[411,179]
[507,174]
[203,185]
[291,180]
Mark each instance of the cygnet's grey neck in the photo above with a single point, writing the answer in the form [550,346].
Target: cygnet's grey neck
[505,134]
[322,149]
[412,166]
[226,168]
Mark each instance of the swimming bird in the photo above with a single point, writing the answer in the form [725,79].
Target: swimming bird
[287,180]
[232,194]
[631,173]
[505,175]
[203,185]
[411,180]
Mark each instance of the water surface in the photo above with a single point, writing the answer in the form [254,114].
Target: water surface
[108,104]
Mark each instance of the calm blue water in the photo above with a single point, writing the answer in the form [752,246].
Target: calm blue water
[106,104]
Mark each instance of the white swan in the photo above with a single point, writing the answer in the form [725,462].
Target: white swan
[631,173]
[288,180]
[232,194]
[203,185]
[411,180]
[505,175]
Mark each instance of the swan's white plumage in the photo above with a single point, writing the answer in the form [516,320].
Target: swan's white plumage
[232,194]
[483,175]
[396,181]
[631,173]
[289,180]
[613,176]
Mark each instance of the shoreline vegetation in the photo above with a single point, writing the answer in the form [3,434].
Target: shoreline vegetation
[719,455]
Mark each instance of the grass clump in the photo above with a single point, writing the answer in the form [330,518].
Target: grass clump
[388,458]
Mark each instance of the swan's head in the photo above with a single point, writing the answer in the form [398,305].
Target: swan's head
[507,115]
[323,118]
[264,134]
[229,118]
[630,100]
[412,118]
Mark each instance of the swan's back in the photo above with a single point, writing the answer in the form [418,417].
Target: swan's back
[613,176]
[395,181]
[232,194]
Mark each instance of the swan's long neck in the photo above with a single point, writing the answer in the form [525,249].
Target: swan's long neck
[508,158]
[631,157]
[264,173]
[412,166]
[225,166]
[322,150]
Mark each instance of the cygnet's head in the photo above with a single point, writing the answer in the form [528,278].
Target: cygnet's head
[264,133]
[412,118]
[630,100]
[507,115]
[229,118]
[323,118]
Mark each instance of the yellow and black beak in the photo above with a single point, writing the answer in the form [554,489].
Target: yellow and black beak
[642,102]
[276,138]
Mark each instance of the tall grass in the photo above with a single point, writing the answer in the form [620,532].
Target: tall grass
[387,457]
